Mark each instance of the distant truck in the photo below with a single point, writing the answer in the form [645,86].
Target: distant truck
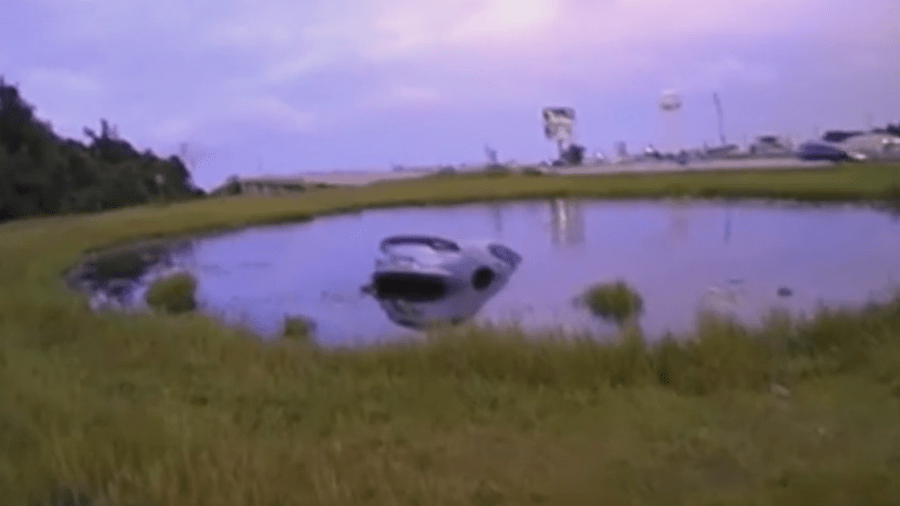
[824,151]
[840,146]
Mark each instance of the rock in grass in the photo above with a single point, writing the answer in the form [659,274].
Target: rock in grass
[61,496]
[173,294]
[785,292]
[298,327]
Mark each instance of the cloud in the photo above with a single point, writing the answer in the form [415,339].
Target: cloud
[64,96]
[548,38]
[291,68]
[404,96]
[62,80]
[715,74]
[268,113]
[171,70]
[275,111]
[505,20]
[176,129]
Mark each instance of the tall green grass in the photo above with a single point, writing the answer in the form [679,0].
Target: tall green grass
[173,294]
[160,409]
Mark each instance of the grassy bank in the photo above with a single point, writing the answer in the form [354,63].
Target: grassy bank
[175,410]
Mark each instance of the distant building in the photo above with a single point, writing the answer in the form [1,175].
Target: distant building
[771,145]
[726,151]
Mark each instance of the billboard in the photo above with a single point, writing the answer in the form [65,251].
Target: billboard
[558,122]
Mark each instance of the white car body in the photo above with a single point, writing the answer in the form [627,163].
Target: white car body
[423,280]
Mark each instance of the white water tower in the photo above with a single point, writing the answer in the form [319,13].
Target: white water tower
[670,119]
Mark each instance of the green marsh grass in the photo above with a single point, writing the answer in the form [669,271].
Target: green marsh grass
[154,409]
[173,294]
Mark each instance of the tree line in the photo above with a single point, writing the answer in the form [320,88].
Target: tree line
[42,173]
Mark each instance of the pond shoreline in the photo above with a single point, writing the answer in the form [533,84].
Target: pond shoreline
[680,185]
[539,315]
[135,245]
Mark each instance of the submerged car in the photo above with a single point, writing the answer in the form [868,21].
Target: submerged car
[424,280]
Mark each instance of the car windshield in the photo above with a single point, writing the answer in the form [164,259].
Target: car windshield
[409,287]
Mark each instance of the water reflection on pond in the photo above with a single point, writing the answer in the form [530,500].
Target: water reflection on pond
[680,256]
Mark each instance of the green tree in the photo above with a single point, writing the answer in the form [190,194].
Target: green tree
[41,173]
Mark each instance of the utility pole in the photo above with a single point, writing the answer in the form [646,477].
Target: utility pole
[491,154]
[718,105]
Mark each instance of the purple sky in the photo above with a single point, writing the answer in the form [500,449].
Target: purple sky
[325,84]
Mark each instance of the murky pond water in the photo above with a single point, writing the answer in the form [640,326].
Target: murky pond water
[681,258]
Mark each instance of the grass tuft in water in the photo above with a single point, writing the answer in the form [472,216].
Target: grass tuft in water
[173,294]
[615,302]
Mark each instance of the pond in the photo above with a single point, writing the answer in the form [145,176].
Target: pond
[740,259]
